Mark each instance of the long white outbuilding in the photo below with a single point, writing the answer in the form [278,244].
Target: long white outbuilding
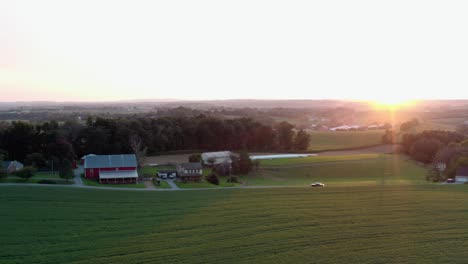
[280,156]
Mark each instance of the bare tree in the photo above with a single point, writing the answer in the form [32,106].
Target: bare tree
[138,148]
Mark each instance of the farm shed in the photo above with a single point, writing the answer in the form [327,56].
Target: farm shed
[218,157]
[462,174]
[12,166]
[192,171]
[112,168]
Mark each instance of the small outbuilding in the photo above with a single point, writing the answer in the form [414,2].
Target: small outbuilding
[462,175]
[12,166]
[218,157]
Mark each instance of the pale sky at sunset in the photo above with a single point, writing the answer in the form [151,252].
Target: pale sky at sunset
[112,50]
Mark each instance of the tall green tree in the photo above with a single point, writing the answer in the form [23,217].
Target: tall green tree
[285,135]
[2,169]
[66,170]
[26,172]
[302,140]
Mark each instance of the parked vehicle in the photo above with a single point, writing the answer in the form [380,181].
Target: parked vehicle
[450,180]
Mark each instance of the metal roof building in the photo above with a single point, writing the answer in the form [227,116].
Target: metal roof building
[111,168]
[219,157]
[110,161]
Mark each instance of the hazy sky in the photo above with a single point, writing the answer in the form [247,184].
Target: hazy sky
[108,50]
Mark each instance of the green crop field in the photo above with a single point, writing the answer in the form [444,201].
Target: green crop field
[352,170]
[34,179]
[390,224]
[328,140]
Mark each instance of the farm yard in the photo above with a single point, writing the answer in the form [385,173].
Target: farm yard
[385,224]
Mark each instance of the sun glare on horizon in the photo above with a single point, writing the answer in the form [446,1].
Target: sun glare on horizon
[392,102]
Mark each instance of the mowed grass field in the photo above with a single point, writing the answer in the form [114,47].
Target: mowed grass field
[349,170]
[330,140]
[388,224]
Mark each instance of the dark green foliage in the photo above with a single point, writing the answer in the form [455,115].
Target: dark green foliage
[425,149]
[463,129]
[223,169]
[424,146]
[302,140]
[26,172]
[256,164]
[117,135]
[47,182]
[36,160]
[195,158]
[3,153]
[61,148]
[233,178]
[389,137]
[435,175]
[285,136]
[2,169]
[459,161]
[243,164]
[409,124]
[66,170]
[212,178]
[19,140]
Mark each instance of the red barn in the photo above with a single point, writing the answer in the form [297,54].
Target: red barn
[111,168]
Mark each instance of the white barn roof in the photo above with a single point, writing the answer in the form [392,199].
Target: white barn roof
[219,157]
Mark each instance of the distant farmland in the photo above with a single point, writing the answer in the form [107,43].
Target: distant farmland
[329,140]
[347,170]
[396,224]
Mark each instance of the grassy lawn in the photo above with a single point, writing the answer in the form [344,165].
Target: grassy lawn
[153,170]
[163,185]
[34,179]
[191,185]
[204,184]
[47,175]
[90,182]
[381,170]
[387,224]
[317,159]
[328,140]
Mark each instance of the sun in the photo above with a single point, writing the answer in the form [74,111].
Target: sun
[392,102]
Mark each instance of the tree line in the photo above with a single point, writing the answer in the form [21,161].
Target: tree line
[442,151]
[46,143]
